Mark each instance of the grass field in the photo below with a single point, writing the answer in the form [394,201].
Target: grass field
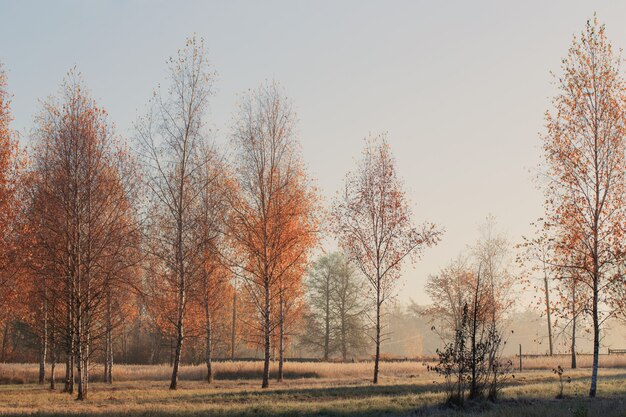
[311,389]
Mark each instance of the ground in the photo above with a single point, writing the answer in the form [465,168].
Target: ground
[407,389]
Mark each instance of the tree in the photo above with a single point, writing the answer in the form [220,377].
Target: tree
[536,257]
[451,290]
[81,215]
[456,285]
[172,136]
[350,308]
[14,249]
[274,214]
[214,285]
[320,282]
[373,223]
[335,320]
[492,257]
[585,168]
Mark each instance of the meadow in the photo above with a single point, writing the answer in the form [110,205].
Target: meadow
[313,389]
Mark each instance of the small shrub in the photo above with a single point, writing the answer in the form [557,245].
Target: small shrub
[559,371]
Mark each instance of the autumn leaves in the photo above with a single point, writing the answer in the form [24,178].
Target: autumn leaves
[180,231]
[585,183]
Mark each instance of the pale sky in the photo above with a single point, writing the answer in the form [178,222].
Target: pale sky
[460,87]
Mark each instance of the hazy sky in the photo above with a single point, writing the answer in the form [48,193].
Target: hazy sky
[460,87]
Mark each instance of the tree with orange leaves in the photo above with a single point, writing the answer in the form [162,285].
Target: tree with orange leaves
[214,285]
[12,247]
[585,171]
[373,222]
[274,213]
[81,214]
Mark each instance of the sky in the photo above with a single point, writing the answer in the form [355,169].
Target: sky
[460,88]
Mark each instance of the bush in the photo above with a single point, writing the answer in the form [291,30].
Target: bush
[472,362]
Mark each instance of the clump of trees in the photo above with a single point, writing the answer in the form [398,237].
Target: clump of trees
[82,229]
[471,300]
[472,361]
[335,322]
[583,176]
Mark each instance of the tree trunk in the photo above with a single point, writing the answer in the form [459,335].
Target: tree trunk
[281,337]
[69,368]
[69,364]
[5,337]
[208,352]
[344,347]
[327,322]
[177,352]
[43,347]
[377,358]
[79,352]
[548,310]
[52,367]
[53,351]
[596,340]
[181,290]
[234,325]
[267,331]
[108,339]
[574,316]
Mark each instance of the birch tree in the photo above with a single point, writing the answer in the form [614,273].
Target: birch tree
[585,168]
[373,222]
[172,136]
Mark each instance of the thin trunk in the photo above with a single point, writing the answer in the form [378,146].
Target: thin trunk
[43,347]
[52,368]
[108,355]
[548,310]
[69,363]
[177,352]
[327,321]
[281,338]
[106,358]
[574,316]
[267,330]
[596,340]
[79,352]
[180,260]
[53,350]
[377,358]
[110,358]
[234,325]
[344,347]
[208,352]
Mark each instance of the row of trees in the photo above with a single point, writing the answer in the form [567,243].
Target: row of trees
[180,232]
[576,257]
[584,180]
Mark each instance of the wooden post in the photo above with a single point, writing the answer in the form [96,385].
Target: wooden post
[520,358]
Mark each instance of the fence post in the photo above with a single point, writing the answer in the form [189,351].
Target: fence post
[520,357]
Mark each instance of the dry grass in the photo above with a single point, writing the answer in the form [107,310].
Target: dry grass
[28,373]
[407,389]
[583,361]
